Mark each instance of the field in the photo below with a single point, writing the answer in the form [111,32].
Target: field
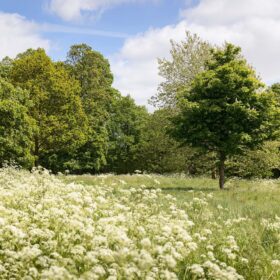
[137,227]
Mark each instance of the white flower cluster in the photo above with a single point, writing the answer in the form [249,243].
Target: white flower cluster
[51,229]
[231,222]
[273,225]
[213,268]
[55,230]
[231,248]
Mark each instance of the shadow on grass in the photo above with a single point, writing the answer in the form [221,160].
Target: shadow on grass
[187,189]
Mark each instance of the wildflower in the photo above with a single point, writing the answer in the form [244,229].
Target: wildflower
[145,260]
[123,182]
[244,260]
[146,243]
[276,263]
[197,270]
[170,261]
[211,256]
[157,181]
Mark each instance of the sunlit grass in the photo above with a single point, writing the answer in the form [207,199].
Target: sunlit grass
[137,227]
[243,197]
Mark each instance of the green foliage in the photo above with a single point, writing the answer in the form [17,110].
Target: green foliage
[5,67]
[93,72]
[188,58]
[16,127]
[57,107]
[159,153]
[90,68]
[126,131]
[76,120]
[224,110]
[263,162]
[276,88]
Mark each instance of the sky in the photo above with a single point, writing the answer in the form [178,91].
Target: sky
[133,34]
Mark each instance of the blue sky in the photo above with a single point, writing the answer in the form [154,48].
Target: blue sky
[125,20]
[132,34]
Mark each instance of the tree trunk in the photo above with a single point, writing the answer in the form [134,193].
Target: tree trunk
[222,171]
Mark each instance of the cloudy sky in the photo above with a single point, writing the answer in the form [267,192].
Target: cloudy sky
[132,34]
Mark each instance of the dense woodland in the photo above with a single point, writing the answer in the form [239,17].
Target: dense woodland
[67,116]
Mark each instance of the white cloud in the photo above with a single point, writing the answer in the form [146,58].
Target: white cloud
[18,34]
[70,10]
[227,12]
[252,24]
[135,66]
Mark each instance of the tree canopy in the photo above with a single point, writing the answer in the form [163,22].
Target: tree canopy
[56,105]
[187,59]
[224,110]
[66,115]
[93,72]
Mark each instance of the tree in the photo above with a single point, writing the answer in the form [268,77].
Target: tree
[158,152]
[224,110]
[263,162]
[16,126]
[126,130]
[188,58]
[56,109]
[93,72]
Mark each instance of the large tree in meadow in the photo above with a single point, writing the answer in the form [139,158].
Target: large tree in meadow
[224,110]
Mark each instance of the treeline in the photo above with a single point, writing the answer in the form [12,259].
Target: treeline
[67,116]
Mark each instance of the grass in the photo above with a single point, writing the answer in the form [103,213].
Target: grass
[251,198]
[137,227]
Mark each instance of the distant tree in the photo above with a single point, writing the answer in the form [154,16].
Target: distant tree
[16,126]
[187,60]
[224,110]
[57,107]
[161,153]
[263,162]
[158,152]
[126,129]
